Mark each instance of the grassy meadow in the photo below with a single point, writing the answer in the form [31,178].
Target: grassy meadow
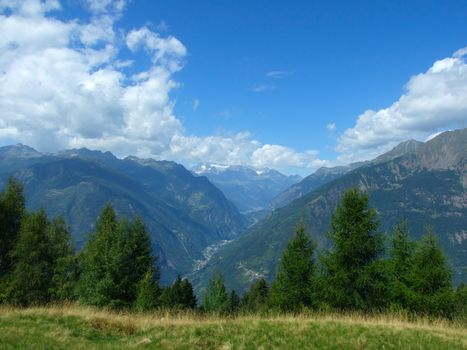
[77,327]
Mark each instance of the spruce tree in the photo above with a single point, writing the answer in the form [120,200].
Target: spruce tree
[179,295]
[256,298]
[293,287]
[97,284]
[115,260]
[147,292]
[139,258]
[215,299]
[31,279]
[401,264]
[461,301]
[353,276]
[11,212]
[234,301]
[431,279]
[64,261]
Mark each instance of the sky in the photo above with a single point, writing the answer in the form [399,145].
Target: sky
[289,85]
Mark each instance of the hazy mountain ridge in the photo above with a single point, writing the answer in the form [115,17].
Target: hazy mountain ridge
[320,177]
[426,186]
[250,189]
[184,213]
[327,174]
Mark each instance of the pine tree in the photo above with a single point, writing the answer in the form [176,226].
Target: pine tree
[31,279]
[147,292]
[256,298]
[353,276]
[401,264]
[11,213]
[293,287]
[431,279]
[216,299]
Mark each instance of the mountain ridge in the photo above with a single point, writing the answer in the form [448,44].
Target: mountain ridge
[183,213]
[426,187]
[250,189]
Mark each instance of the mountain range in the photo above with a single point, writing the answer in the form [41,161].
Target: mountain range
[183,213]
[192,216]
[250,189]
[424,183]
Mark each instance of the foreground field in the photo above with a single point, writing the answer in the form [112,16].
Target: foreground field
[74,327]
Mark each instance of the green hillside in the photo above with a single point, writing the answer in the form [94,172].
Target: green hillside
[425,187]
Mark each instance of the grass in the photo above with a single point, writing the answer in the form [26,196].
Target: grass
[77,327]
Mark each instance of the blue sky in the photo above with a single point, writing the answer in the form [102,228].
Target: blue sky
[284,84]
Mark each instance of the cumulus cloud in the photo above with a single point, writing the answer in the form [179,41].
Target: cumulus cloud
[331,126]
[63,85]
[277,156]
[433,101]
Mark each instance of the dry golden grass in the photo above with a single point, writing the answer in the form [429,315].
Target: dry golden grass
[191,329]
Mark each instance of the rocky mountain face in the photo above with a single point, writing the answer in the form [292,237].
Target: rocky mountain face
[183,213]
[249,189]
[425,184]
[327,174]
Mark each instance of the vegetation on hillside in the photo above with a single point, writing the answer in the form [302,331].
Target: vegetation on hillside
[116,268]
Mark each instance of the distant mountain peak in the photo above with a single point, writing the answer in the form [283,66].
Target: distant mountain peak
[84,152]
[20,150]
[403,148]
[249,188]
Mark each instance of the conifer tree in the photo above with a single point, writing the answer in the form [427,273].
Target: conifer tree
[148,292]
[188,295]
[11,212]
[401,264]
[114,262]
[353,276]
[139,258]
[31,279]
[461,301]
[216,299]
[256,298]
[179,295]
[431,279]
[97,284]
[293,287]
[64,261]
[234,301]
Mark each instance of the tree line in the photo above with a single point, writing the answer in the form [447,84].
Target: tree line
[116,268]
[360,272]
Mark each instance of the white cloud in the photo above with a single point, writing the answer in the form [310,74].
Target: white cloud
[195,104]
[433,100]
[63,85]
[281,156]
[278,74]
[263,87]
[331,126]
